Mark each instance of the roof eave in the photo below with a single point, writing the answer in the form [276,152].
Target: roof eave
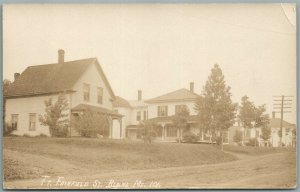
[36,94]
[169,100]
[105,79]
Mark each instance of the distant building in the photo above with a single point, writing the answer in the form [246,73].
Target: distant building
[84,83]
[134,112]
[288,138]
[161,110]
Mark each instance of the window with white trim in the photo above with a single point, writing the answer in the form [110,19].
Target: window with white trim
[14,121]
[32,122]
[100,95]
[162,111]
[86,92]
[179,108]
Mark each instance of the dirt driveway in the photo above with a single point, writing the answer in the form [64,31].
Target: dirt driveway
[268,171]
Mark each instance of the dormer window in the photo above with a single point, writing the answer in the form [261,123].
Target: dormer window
[86,92]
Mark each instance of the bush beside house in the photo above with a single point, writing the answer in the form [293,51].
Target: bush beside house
[189,137]
[91,124]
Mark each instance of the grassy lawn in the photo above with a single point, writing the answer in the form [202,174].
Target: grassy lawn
[255,151]
[33,157]
[28,158]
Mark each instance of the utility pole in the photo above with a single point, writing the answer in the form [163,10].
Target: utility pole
[284,103]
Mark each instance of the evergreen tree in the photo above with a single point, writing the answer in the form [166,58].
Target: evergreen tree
[215,109]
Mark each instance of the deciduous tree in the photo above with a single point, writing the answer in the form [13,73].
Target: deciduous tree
[148,130]
[6,84]
[180,120]
[252,116]
[247,112]
[55,116]
[265,133]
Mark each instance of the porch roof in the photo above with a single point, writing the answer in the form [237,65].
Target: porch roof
[85,107]
[168,119]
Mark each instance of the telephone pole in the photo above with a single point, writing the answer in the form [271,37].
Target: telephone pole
[284,103]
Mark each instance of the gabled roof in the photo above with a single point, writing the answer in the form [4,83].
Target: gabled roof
[275,123]
[178,95]
[84,107]
[52,78]
[121,102]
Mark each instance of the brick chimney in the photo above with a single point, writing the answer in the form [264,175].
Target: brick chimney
[273,114]
[192,87]
[16,76]
[139,95]
[61,56]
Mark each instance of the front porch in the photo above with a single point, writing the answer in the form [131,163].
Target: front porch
[168,133]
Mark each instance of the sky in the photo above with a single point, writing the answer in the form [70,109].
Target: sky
[160,48]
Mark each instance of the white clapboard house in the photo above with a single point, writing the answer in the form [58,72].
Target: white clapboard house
[161,110]
[84,83]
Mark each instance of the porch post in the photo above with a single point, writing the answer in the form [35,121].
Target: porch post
[121,129]
[110,127]
[163,132]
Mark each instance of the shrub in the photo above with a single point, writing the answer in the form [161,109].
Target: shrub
[7,129]
[43,135]
[60,131]
[91,124]
[189,137]
[238,137]
[252,142]
[16,170]
[148,131]
[148,137]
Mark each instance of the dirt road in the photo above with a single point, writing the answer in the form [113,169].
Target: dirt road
[276,170]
